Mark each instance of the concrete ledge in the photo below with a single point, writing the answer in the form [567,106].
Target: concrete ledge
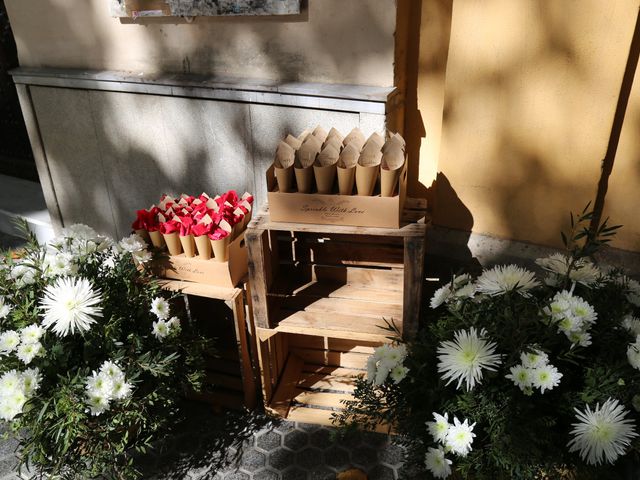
[347,98]
[474,248]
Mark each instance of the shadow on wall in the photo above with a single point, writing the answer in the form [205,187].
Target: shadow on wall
[523,129]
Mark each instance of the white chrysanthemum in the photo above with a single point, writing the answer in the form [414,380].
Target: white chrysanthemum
[31,379]
[546,377]
[440,296]
[79,231]
[464,358]
[506,278]
[439,428]
[174,323]
[387,360]
[9,341]
[132,243]
[460,437]
[467,291]
[31,334]
[160,329]
[28,351]
[12,404]
[437,463]
[10,382]
[98,404]
[142,256]
[23,275]
[100,385]
[398,373]
[111,370]
[521,377]
[121,389]
[70,304]
[5,309]
[557,265]
[59,264]
[602,434]
[534,358]
[573,316]
[633,353]
[632,324]
[160,308]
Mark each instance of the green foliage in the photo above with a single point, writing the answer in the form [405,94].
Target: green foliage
[57,431]
[517,435]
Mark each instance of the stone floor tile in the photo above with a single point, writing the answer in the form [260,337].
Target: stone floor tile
[309,457]
[281,458]
[392,455]
[269,440]
[321,438]
[296,440]
[294,474]
[267,474]
[336,457]
[365,457]
[381,472]
[252,460]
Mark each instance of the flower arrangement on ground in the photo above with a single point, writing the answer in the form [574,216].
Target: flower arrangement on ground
[515,374]
[93,359]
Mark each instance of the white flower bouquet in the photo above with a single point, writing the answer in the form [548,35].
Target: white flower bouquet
[516,374]
[93,361]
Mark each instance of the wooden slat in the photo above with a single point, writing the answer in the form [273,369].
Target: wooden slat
[415,204]
[199,289]
[288,287]
[344,253]
[316,381]
[246,370]
[337,359]
[414,273]
[264,364]
[329,343]
[257,275]
[347,306]
[317,416]
[345,326]
[371,277]
[286,386]
[409,230]
[335,371]
[322,399]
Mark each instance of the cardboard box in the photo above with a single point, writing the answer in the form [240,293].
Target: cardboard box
[335,209]
[211,272]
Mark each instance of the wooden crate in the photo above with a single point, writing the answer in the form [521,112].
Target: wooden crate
[320,297]
[231,378]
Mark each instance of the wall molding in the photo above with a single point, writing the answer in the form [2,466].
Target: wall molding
[337,97]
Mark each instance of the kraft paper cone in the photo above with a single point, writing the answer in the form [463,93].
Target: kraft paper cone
[304,179]
[306,155]
[325,177]
[320,133]
[293,142]
[393,142]
[144,234]
[346,177]
[188,245]
[204,247]
[304,134]
[349,156]
[390,169]
[334,134]
[334,142]
[284,176]
[366,179]
[173,243]
[220,249]
[355,136]
[376,139]
[157,239]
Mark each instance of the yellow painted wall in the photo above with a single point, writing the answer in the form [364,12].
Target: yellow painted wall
[333,41]
[518,119]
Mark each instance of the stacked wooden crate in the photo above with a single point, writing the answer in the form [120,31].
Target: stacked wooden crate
[321,296]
